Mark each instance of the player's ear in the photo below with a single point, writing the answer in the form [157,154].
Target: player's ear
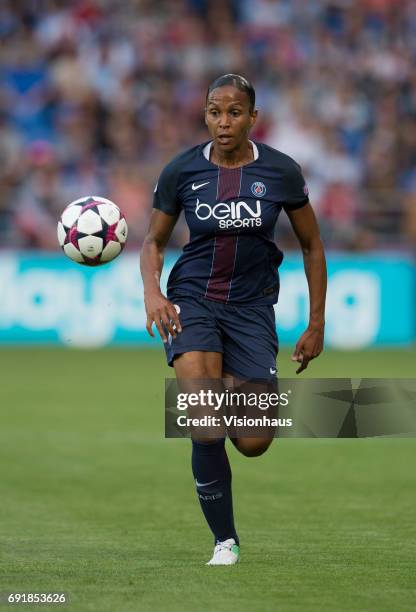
[205,117]
[253,117]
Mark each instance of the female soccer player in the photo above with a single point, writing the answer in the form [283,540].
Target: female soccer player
[217,320]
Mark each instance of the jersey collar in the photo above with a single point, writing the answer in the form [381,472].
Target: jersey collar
[207,150]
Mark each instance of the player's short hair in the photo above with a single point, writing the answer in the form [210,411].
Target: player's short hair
[237,81]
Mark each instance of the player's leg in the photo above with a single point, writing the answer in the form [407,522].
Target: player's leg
[200,371]
[252,446]
[198,365]
[210,465]
[250,349]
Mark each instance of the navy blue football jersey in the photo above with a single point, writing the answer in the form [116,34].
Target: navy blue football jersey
[231,213]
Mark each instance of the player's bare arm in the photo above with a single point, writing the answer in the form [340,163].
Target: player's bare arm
[305,226]
[159,310]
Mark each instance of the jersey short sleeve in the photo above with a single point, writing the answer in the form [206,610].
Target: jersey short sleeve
[165,196]
[296,190]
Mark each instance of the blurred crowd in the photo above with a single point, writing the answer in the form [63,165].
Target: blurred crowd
[97,95]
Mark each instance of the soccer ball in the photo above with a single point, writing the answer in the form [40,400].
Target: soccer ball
[92,231]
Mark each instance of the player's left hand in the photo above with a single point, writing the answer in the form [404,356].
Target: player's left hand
[309,346]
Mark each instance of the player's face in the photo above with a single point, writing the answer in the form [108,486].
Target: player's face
[228,117]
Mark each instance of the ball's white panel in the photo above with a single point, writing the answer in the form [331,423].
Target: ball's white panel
[109,212]
[73,253]
[90,246]
[122,231]
[89,222]
[61,234]
[111,250]
[71,214]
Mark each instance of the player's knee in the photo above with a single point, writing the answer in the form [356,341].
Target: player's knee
[200,371]
[208,373]
[193,367]
[253,448]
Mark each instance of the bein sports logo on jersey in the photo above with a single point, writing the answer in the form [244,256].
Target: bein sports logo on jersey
[234,214]
[258,189]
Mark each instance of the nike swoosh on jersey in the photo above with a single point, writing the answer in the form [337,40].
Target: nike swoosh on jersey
[204,484]
[272,371]
[195,187]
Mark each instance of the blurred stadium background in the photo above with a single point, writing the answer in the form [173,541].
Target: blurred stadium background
[95,97]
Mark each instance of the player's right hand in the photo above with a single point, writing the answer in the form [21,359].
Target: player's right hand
[163,314]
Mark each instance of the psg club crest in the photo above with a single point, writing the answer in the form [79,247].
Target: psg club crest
[258,189]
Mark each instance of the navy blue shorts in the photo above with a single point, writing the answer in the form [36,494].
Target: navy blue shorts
[245,335]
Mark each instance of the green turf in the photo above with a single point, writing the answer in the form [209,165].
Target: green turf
[95,502]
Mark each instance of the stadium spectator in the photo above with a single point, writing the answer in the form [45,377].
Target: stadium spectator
[94,95]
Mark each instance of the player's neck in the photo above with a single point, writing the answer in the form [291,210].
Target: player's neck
[232,159]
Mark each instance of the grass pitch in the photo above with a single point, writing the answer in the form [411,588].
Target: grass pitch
[96,503]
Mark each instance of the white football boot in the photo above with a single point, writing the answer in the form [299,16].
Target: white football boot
[225,553]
